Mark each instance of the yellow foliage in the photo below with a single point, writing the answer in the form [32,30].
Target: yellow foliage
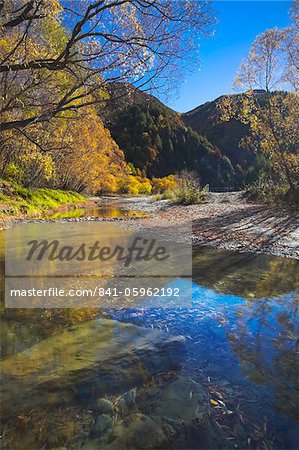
[134,185]
[160,185]
[94,162]
[273,122]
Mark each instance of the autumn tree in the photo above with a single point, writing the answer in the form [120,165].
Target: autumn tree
[92,161]
[57,58]
[291,46]
[270,103]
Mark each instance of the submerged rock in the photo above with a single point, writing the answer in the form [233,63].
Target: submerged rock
[103,423]
[93,444]
[99,357]
[138,431]
[121,406]
[130,398]
[103,406]
[182,399]
[59,448]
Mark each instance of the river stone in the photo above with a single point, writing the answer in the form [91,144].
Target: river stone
[103,406]
[59,448]
[130,398]
[182,399]
[138,431]
[99,357]
[92,444]
[103,423]
[122,407]
[135,432]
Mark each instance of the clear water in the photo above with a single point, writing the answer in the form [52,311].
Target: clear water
[95,212]
[242,346]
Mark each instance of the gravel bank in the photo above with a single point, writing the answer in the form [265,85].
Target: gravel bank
[228,221]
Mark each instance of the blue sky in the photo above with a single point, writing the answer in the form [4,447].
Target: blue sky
[239,23]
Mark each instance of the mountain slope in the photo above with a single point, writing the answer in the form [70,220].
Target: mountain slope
[156,140]
[226,136]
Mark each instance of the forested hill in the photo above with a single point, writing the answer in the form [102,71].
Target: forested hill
[224,135]
[160,141]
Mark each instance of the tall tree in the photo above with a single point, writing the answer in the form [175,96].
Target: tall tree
[56,58]
[291,47]
[270,104]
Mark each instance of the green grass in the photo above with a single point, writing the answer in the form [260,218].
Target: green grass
[16,200]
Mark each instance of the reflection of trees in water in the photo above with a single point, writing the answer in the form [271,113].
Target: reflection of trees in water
[245,274]
[281,276]
[22,327]
[265,338]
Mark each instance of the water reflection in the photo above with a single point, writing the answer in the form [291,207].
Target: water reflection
[242,347]
[96,212]
[246,274]
[265,338]
[247,349]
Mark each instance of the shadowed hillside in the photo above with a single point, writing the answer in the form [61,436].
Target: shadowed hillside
[157,141]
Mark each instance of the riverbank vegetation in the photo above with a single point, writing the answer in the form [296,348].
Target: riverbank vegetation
[74,118]
[184,189]
[270,108]
[16,200]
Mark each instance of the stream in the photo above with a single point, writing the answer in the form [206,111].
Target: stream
[241,354]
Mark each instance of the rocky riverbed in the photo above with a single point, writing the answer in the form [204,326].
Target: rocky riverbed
[103,357]
[228,221]
[110,385]
[104,385]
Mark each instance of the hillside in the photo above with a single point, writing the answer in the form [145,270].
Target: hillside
[226,136]
[157,141]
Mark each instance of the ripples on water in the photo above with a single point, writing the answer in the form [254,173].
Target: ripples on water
[241,340]
[249,347]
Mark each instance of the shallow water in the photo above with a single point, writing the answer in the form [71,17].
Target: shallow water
[241,335]
[95,212]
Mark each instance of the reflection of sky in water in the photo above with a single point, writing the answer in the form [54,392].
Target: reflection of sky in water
[250,342]
[214,316]
[241,326]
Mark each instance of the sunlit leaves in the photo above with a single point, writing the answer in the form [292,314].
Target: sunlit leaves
[271,113]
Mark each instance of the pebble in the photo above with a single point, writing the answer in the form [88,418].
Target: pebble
[59,448]
[103,423]
[103,406]
[122,406]
[130,398]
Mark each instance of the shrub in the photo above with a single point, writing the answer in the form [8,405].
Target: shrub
[267,192]
[189,191]
[160,185]
[134,185]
